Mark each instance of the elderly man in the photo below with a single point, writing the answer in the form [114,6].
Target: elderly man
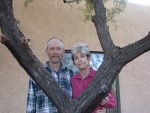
[37,101]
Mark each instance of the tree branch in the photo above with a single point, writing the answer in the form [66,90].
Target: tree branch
[134,50]
[101,26]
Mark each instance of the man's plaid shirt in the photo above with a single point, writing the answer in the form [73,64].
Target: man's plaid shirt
[37,101]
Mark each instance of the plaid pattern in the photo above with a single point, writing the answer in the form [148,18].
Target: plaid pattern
[37,101]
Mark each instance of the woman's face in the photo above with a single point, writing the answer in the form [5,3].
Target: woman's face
[81,60]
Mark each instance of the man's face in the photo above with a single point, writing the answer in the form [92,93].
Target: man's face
[55,51]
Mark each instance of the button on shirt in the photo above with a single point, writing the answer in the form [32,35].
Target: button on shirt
[37,101]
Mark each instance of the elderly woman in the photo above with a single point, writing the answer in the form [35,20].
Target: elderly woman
[81,58]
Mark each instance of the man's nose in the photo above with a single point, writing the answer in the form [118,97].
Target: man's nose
[55,51]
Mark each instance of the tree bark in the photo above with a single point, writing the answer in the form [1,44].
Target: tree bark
[115,58]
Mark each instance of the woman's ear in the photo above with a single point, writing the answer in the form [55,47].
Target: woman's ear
[88,58]
[72,60]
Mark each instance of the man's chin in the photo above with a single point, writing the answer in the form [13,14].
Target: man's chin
[56,61]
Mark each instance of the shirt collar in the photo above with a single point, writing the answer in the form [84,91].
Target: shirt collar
[46,65]
[89,75]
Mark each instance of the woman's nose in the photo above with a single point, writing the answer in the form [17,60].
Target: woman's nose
[79,59]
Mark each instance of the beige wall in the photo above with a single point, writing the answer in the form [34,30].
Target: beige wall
[47,18]
[135,76]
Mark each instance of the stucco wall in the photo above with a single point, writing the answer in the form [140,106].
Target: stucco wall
[134,78]
[47,18]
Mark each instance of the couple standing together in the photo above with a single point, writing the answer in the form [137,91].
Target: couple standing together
[72,84]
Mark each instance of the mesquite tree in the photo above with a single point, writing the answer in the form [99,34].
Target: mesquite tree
[115,58]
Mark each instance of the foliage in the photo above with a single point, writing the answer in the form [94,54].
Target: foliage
[117,7]
[27,2]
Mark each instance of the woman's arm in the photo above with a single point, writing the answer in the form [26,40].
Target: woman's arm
[109,101]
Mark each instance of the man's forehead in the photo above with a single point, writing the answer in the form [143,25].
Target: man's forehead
[54,43]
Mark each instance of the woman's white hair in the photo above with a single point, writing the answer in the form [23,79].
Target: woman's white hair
[80,47]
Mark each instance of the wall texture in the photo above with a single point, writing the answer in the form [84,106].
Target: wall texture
[47,18]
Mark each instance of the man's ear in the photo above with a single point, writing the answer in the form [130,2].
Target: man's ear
[63,51]
[46,51]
